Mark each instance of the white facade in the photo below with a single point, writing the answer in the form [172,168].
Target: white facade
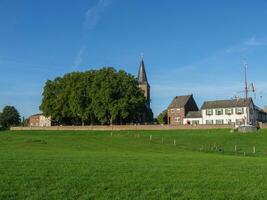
[232,115]
[193,121]
[39,120]
[44,121]
[235,112]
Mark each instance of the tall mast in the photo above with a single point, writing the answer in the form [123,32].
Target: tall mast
[246,81]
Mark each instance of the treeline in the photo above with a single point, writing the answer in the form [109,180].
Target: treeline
[9,117]
[104,96]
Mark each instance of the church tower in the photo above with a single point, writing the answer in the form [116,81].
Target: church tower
[143,83]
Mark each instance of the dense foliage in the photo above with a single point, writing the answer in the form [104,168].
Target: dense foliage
[9,117]
[104,96]
[163,117]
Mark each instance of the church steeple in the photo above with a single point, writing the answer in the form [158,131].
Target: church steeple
[143,82]
[147,115]
[142,78]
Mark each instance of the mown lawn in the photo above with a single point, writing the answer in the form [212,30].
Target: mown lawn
[182,164]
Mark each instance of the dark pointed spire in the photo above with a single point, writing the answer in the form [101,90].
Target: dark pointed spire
[142,73]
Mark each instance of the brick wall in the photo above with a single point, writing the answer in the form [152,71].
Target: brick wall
[34,120]
[176,113]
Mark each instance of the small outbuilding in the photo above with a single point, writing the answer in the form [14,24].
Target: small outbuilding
[39,120]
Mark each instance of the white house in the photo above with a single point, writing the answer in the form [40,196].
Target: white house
[235,111]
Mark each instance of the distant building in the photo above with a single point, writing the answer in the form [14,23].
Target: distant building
[193,118]
[180,107]
[143,82]
[39,120]
[147,115]
[235,111]
[184,110]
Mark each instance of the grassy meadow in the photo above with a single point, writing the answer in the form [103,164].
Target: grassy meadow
[177,164]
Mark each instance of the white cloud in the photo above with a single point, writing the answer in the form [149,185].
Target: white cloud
[92,15]
[79,57]
[91,18]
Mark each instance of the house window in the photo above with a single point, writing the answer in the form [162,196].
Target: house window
[239,111]
[229,121]
[195,122]
[209,112]
[219,111]
[178,109]
[177,119]
[228,111]
[219,121]
[209,121]
[172,110]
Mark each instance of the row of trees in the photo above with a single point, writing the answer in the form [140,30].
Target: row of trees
[104,96]
[9,117]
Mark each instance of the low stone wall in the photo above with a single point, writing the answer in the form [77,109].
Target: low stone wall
[125,127]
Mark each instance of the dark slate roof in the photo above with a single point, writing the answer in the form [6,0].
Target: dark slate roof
[142,78]
[194,114]
[179,101]
[226,103]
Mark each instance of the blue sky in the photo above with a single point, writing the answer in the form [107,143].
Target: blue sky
[189,46]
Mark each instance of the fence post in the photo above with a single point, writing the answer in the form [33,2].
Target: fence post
[235,148]
[150,137]
[254,149]
[174,142]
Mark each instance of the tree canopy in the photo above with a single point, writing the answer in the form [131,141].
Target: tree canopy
[104,96]
[163,117]
[9,117]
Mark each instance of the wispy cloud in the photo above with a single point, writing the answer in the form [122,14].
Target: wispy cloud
[79,56]
[93,14]
[91,19]
[247,45]
[256,42]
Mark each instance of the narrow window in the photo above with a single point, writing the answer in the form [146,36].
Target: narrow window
[209,112]
[219,111]
[239,111]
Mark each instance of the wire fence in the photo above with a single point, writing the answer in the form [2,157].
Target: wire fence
[208,147]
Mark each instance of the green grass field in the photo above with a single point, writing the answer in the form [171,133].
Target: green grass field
[127,165]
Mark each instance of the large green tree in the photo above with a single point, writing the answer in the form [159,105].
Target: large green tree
[104,96]
[9,117]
